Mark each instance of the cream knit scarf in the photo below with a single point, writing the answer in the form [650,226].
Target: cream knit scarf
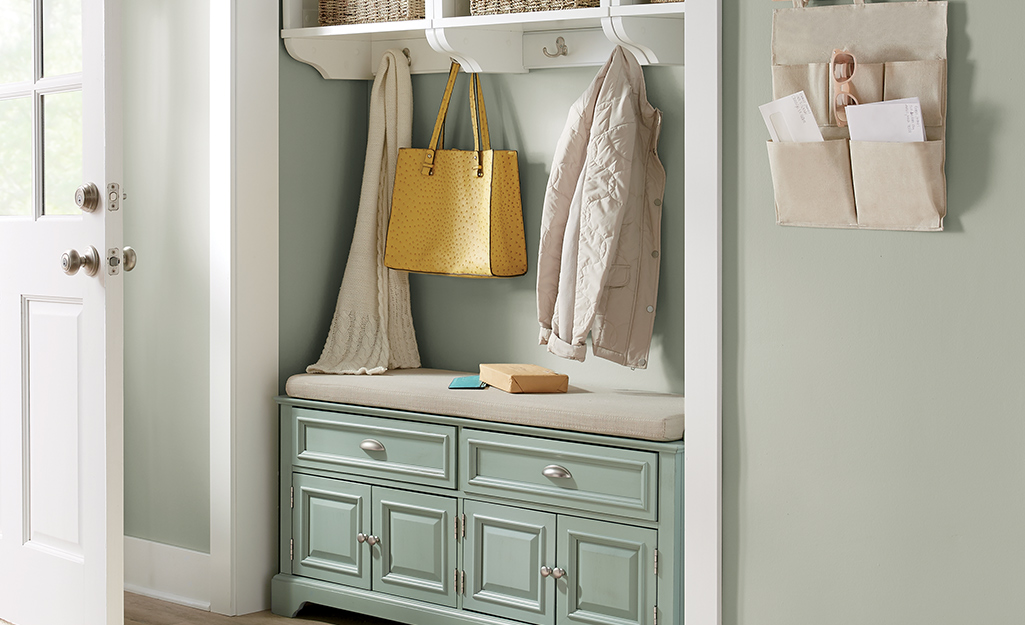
[372,330]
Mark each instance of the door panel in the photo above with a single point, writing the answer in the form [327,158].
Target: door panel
[61,363]
[503,553]
[610,577]
[416,555]
[327,515]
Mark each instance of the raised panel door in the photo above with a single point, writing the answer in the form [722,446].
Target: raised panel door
[503,555]
[415,550]
[327,517]
[609,572]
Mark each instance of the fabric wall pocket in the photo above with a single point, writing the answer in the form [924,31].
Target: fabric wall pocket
[457,212]
[899,186]
[812,184]
[860,52]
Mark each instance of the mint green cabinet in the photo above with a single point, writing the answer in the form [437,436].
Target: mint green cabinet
[374,538]
[434,520]
[415,554]
[609,572]
[503,553]
[328,515]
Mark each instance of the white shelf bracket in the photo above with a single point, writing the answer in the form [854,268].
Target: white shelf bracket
[481,49]
[653,40]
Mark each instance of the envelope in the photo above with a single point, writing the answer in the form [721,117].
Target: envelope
[894,121]
[790,119]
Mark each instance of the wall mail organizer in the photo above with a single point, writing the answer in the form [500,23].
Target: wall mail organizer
[861,54]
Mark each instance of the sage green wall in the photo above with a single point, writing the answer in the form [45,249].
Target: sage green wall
[167,352]
[459,322]
[874,382]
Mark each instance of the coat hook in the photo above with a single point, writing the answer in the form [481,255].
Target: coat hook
[409,60]
[561,49]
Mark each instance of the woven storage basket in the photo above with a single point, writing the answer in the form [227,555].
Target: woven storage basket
[333,12]
[490,7]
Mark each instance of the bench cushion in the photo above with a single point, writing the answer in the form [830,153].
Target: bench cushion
[630,414]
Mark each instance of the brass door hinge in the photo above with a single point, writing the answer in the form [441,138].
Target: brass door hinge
[291,496]
[656,563]
[462,582]
[654,617]
[291,549]
[462,526]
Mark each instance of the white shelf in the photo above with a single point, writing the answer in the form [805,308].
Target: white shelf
[504,43]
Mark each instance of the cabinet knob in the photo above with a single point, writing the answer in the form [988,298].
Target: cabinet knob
[361,538]
[555,471]
[558,573]
[373,540]
[545,571]
[370,444]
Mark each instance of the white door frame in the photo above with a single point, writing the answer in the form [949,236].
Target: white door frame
[244,306]
[243,303]
[702,310]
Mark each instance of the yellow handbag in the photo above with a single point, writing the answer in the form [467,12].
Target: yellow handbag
[457,212]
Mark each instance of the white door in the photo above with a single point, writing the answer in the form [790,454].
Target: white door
[61,477]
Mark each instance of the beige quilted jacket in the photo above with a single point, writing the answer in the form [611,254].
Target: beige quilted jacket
[597,268]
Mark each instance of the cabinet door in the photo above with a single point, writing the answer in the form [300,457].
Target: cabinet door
[326,516]
[609,572]
[504,551]
[416,553]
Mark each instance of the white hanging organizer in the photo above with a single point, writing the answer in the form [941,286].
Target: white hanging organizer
[901,52]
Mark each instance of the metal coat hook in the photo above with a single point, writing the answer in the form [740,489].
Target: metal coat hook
[409,60]
[561,49]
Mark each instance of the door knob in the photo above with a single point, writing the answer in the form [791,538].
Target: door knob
[361,538]
[545,571]
[87,197]
[373,540]
[558,573]
[130,258]
[72,261]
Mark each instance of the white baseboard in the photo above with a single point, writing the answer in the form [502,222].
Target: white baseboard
[167,573]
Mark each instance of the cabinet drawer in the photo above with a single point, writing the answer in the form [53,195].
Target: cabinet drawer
[610,480]
[422,453]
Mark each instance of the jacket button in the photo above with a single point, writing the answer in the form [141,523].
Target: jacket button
[643,362]
[658,202]
[654,253]
[651,309]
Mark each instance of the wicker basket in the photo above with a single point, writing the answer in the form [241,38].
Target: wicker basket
[491,7]
[334,12]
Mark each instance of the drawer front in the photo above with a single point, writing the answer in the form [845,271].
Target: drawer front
[579,476]
[422,453]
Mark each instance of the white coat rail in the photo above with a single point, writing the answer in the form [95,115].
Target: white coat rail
[507,44]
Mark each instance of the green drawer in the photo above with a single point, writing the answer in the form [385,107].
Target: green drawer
[421,453]
[577,476]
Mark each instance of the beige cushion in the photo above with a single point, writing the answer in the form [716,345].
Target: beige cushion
[630,414]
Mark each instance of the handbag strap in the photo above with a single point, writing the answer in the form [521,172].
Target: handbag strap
[481,137]
[427,168]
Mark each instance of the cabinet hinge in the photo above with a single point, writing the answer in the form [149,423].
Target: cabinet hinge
[656,563]
[462,526]
[291,496]
[455,581]
[291,549]
[462,581]
[654,617]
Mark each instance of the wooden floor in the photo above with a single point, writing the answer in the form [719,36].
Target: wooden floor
[141,610]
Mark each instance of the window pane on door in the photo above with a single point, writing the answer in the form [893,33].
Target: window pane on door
[16,157]
[62,37]
[15,41]
[62,152]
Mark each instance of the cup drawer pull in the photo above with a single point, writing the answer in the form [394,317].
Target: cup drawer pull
[370,444]
[555,471]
